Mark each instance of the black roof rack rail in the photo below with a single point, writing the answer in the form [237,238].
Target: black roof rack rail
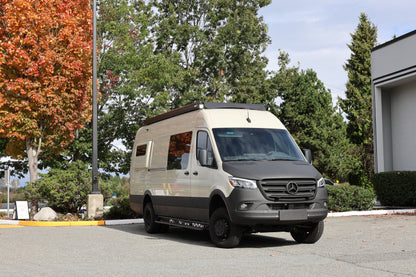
[202,105]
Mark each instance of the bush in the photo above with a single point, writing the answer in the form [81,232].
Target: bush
[349,198]
[65,190]
[361,179]
[396,188]
[120,210]
[113,184]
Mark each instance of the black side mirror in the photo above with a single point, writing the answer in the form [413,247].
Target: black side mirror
[308,155]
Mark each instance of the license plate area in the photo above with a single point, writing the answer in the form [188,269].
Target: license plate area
[289,215]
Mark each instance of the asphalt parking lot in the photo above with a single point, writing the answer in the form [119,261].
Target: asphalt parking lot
[351,246]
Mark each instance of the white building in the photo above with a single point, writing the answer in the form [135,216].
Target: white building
[393,68]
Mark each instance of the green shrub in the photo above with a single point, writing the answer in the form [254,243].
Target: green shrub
[113,184]
[349,198]
[120,209]
[396,188]
[65,190]
[361,179]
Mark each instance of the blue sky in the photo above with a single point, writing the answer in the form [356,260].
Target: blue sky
[316,33]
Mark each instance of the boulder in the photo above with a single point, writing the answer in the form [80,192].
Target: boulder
[45,214]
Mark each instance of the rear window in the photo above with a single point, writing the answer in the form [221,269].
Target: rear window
[141,150]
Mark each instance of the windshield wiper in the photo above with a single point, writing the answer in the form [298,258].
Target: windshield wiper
[241,160]
[282,160]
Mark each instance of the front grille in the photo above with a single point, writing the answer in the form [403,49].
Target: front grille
[276,189]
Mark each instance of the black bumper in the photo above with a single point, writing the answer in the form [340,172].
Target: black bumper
[249,207]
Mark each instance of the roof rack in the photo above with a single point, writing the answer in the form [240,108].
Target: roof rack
[202,105]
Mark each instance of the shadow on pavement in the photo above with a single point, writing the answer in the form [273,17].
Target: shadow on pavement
[201,238]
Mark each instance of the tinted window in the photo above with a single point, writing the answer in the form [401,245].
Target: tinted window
[179,147]
[239,144]
[141,150]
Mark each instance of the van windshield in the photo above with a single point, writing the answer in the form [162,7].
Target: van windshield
[255,144]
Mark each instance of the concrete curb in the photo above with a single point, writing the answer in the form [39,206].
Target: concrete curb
[4,223]
[374,212]
[70,223]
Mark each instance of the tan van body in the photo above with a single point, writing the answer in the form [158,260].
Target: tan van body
[205,166]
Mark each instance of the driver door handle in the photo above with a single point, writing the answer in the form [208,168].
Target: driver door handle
[195,173]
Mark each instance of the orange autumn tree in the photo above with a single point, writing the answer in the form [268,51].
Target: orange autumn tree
[45,75]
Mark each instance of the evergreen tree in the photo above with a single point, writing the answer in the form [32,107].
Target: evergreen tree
[306,110]
[358,103]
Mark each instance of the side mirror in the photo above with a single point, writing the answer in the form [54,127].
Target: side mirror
[202,157]
[308,155]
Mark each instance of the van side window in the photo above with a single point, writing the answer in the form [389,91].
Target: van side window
[179,147]
[141,150]
[204,152]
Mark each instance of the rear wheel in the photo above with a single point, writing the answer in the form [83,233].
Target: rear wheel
[308,234]
[149,218]
[222,232]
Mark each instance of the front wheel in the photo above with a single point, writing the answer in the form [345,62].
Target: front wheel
[308,234]
[222,232]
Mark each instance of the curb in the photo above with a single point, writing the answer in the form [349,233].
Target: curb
[374,212]
[20,223]
[7,223]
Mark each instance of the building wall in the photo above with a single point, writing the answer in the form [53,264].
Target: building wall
[394,104]
[403,131]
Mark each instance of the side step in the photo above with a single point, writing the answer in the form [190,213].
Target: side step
[190,224]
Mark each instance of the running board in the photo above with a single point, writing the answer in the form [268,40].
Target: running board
[190,224]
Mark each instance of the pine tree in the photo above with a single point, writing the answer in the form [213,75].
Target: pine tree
[307,112]
[358,103]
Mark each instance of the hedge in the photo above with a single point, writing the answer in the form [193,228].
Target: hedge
[396,188]
[349,198]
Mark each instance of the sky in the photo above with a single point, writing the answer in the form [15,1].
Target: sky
[315,33]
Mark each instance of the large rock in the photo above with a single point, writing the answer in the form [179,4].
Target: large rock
[45,214]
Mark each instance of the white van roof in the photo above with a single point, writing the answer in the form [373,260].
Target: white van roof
[201,106]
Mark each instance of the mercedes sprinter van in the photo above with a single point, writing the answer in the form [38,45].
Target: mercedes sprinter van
[229,168]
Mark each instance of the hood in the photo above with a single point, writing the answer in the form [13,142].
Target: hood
[259,170]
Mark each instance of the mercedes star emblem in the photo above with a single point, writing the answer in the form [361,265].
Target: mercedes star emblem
[292,188]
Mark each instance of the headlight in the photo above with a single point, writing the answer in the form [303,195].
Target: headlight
[242,183]
[321,183]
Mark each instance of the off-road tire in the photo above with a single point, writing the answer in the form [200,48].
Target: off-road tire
[222,231]
[308,234]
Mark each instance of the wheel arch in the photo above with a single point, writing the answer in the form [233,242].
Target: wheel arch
[217,200]
[147,198]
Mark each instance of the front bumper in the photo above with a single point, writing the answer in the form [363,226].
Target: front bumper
[249,207]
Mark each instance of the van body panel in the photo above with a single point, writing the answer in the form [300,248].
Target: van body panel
[241,119]
[258,170]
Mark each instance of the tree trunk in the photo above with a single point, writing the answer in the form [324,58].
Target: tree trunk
[32,156]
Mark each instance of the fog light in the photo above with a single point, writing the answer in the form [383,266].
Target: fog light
[244,206]
[325,204]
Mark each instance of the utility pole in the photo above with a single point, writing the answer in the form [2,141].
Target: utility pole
[95,199]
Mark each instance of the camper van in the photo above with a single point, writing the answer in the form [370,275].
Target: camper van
[228,168]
